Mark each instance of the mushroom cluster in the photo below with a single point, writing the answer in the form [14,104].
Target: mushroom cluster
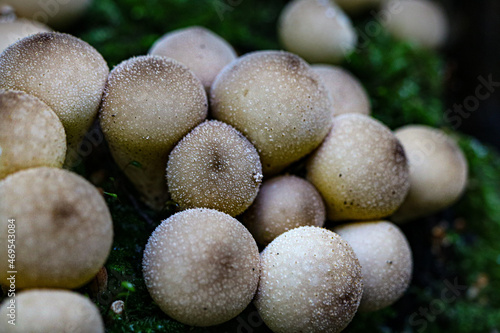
[287,149]
[64,72]
[55,225]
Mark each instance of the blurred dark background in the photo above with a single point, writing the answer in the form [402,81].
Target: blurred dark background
[474,50]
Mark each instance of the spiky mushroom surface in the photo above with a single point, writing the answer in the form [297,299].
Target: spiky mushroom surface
[277,102]
[12,31]
[63,228]
[283,203]
[149,104]
[310,282]
[31,134]
[214,166]
[360,169]
[201,267]
[65,73]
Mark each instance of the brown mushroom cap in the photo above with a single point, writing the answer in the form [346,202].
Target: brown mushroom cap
[420,21]
[360,169]
[64,72]
[310,282]
[52,311]
[346,92]
[318,31]
[277,102]
[150,103]
[63,229]
[201,267]
[214,166]
[201,50]
[385,258]
[283,203]
[31,134]
[58,14]
[13,31]
[438,171]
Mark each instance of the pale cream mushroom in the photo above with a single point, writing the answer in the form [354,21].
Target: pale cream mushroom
[201,267]
[150,104]
[360,169]
[316,30]
[63,228]
[65,73]
[310,282]
[438,171]
[31,134]
[386,261]
[277,102]
[204,52]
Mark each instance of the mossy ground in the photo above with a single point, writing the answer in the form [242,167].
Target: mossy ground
[458,246]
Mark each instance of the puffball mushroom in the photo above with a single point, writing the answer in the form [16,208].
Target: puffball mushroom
[360,169]
[201,266]
[277,102]
[346,92]
[420,21]
[438,171]
[63,227]
[201,50]
[64,72]
[57,14]
[385,258]
[310,282]
[150,103]
[316,30]
[214,166]
[55,311]
[31,134]
[283,203]
[15,30]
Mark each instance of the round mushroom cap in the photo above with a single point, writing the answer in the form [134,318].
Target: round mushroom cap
[150,104]
[346,92]
[277,102]
[13,31]
[57,14]
[63,228]
[55,311]
[214,166]
[64,72]
[438,171]
[385,258]
[201,266]
[204,52]
[316,30]
[360,169]
[420,21]
[31,134]
[310,282]
[283,203]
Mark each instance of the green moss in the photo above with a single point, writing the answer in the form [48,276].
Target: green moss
[121,29]
[404,82]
